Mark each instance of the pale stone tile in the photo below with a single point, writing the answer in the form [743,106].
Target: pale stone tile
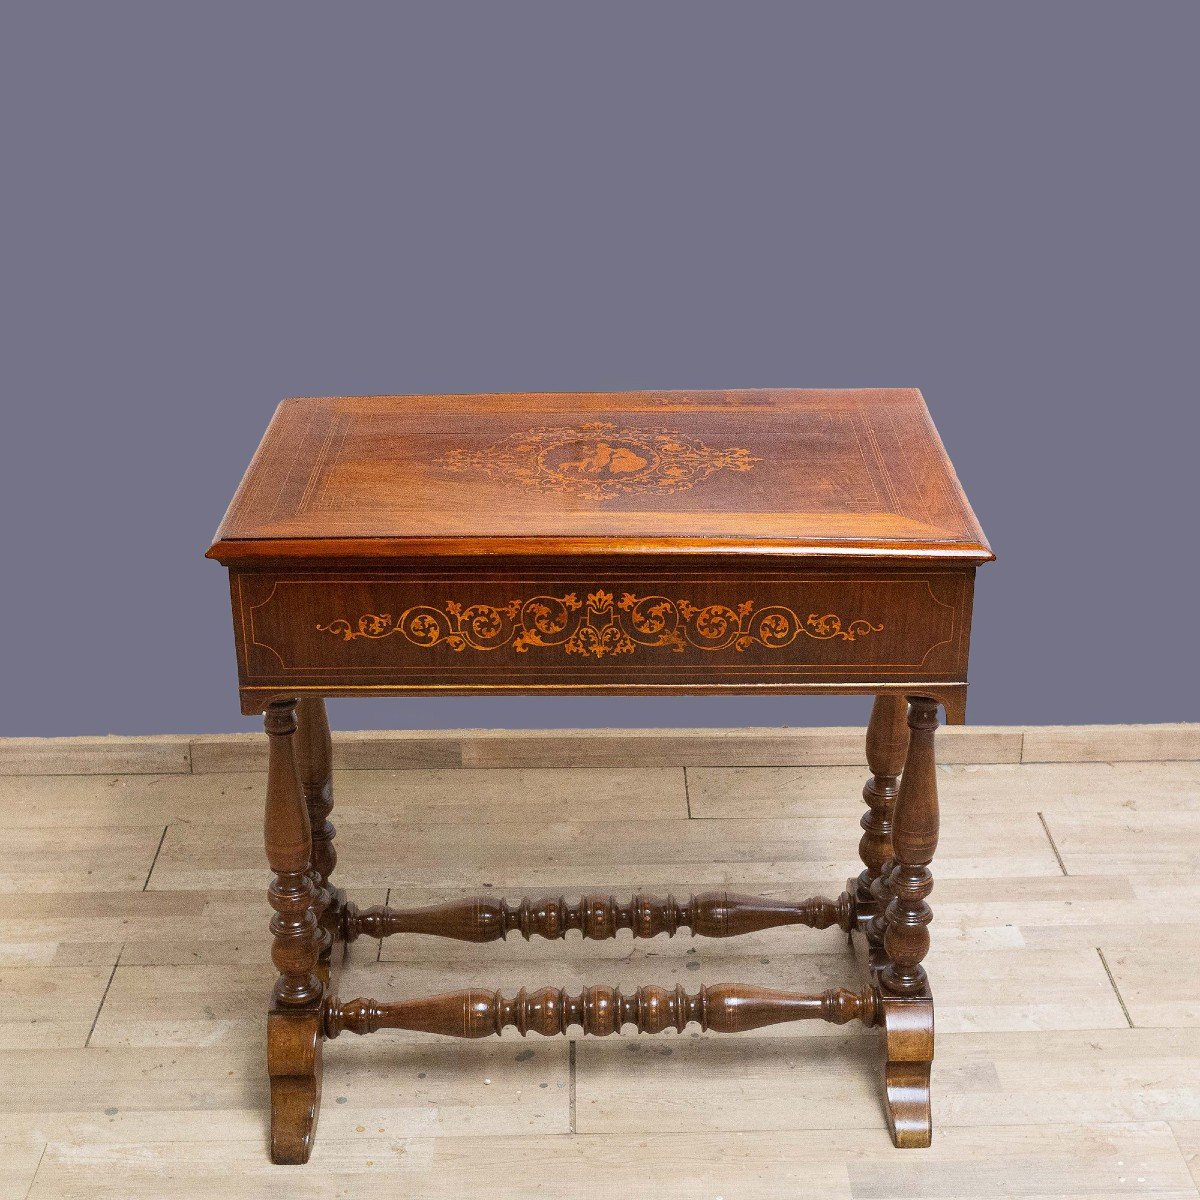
[770,792]
[115,801]
[73,929]
[59,860]
[1035,1161]
[1159,977]
[1068,1077]
[683,1085]
[49,1007]
[528,796]
[94,755]
[366,749]
[743,855]
[194,1006]
[231,928]
[992,788]
[1126,840]
[220,799]
[1111,743]
[19,1159]
[1000,988]
[154,1094]
[1075,910]
[717,747]
[1187,1134]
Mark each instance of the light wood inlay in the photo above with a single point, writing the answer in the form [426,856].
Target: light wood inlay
[809,471]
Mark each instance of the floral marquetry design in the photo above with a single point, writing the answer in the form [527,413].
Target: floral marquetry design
[601,626]
[598,460]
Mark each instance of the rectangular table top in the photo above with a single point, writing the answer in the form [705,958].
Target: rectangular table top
[808,473]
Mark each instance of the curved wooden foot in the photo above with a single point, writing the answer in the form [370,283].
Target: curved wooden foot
[294,1065]
[908,1055]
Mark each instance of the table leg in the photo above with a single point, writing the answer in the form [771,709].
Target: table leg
[906,1001]
[294,1021]
[887,742]
[314,759]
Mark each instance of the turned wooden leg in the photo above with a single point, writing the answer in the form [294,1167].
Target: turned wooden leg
[314,759]
[887,743]
[907,1005]
[914,839]
[294,1022]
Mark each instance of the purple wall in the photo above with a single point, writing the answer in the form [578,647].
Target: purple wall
[209,209]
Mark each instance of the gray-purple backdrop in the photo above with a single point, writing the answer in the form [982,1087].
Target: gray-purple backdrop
[209,207]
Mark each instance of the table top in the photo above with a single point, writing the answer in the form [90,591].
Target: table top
[808,473]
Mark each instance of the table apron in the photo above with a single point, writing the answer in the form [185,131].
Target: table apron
[615,630]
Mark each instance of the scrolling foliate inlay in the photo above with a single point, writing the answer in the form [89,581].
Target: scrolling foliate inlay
[598,627]
[599,459]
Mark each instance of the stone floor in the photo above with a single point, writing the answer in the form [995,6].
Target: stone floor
[133,971]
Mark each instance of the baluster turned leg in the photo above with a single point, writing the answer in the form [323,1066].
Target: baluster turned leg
[294,1022]
[887,743]
[906,1001]
[914,836]
[314,759]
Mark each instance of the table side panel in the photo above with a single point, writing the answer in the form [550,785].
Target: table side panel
[657,627]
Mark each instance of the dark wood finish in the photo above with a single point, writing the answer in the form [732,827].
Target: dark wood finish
[887,743]
[600,1011]
[406,545]
[914,837]
[907,1062]
[292,893]
[807,472]
[295,1037]
[622,628]
[314,761]
[654,543]
[597,917]
[293,1024]
[908,1042]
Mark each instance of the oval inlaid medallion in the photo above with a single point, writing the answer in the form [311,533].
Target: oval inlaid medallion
[598,460]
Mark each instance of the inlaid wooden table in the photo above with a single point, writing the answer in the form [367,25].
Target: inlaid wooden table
[649,543]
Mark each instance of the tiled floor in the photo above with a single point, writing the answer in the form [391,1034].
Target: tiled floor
[133,971]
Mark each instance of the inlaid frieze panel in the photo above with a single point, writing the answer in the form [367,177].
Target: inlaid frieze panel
[461,629]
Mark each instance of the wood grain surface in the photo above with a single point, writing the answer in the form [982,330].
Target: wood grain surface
[809,472]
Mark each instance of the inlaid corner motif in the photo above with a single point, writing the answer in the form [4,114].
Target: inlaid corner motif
[598,627]
[599,459]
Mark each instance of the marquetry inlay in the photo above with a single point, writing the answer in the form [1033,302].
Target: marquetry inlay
[599,459]
[599,627]
[641,544]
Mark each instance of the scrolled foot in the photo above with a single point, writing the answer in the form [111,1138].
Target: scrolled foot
[908,1056]
[294,1065]
[909,1114]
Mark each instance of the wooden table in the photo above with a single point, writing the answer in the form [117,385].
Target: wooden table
[672,543]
